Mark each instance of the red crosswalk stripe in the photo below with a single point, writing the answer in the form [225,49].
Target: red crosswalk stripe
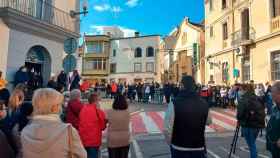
[157,119]
[137,124]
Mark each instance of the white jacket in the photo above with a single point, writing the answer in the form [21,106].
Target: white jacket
[47,137]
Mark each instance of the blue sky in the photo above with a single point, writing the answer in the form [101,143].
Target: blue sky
[145,16]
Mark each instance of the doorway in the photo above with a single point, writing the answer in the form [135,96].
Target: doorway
[38,60]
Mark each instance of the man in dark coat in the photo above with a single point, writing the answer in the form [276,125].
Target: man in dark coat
[62,78]
[21,76]
[167,90]
[191,112]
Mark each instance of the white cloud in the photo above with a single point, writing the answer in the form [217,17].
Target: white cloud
[102,8]
[132,3]
[116,9]
[98,29]
[107,7]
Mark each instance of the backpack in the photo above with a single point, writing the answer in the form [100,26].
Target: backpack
[255,113]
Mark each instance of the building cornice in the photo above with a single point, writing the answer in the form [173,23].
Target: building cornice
[28,24]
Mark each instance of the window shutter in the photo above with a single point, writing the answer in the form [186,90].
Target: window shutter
[277,8]
[245,24]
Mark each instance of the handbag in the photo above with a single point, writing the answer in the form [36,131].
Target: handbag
[70,142]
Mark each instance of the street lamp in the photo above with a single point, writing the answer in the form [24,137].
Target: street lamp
[73,13]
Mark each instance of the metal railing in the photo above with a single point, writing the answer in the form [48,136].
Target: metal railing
[43,11]
[238,37]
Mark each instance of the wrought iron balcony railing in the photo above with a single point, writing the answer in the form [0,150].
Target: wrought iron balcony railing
[241,37]
[43,11]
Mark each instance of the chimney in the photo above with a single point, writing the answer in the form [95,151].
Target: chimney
[137,34]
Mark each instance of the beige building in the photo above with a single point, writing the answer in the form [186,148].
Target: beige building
[96,58]
[242,38]
[184,51]
[33,33]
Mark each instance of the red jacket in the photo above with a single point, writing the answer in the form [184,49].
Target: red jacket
[85,86]
[114,88]
[73,110]
[91,125]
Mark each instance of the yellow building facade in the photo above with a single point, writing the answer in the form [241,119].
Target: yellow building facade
[95,64]
[242,41]
[185,48]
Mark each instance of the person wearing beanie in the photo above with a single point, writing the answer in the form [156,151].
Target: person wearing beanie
[185,122]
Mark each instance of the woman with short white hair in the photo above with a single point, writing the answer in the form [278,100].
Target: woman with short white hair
[47,136]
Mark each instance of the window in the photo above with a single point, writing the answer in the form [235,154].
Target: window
[113,68]
[95,64]
[211,66]
[94,47]
[150,52]
[211,31]
[275,8]
[150,67]
[246,69]
[138,53]
[224,4]
[137,67]
[114,52]
[275,65]
[225,31]
[210,5]
[245,29]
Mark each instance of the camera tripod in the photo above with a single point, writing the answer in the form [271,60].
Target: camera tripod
[234,141]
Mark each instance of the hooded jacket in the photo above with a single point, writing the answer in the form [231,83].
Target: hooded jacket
[47,137]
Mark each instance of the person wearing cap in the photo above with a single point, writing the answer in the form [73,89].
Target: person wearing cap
[185,122]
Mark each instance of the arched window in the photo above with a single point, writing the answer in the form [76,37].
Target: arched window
[138,53]
[150,52]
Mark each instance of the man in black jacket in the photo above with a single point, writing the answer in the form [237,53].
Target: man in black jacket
[191,112]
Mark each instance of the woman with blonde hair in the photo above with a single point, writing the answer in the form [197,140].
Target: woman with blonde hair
[47,136]
[13,117]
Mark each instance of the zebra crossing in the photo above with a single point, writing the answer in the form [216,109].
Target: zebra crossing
[153,122]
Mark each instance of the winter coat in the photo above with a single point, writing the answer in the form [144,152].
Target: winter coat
[75,83]
[5,95]
[48,137]
[90,128]
[61,79]
[73,110]
[114,88]
[5,149]
[118,128]
[249,99]
[52,84]
[21,77]
[167,90]
[190,118]
[273,132]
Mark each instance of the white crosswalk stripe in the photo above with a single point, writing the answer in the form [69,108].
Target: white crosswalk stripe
[152,124]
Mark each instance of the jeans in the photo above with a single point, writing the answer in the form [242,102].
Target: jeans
[250,135]
[92,152]
[187,154]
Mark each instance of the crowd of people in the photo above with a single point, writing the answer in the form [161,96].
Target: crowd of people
[50,124]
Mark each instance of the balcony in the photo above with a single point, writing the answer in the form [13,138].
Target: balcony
[275,24]
[37,14]
[243,38]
